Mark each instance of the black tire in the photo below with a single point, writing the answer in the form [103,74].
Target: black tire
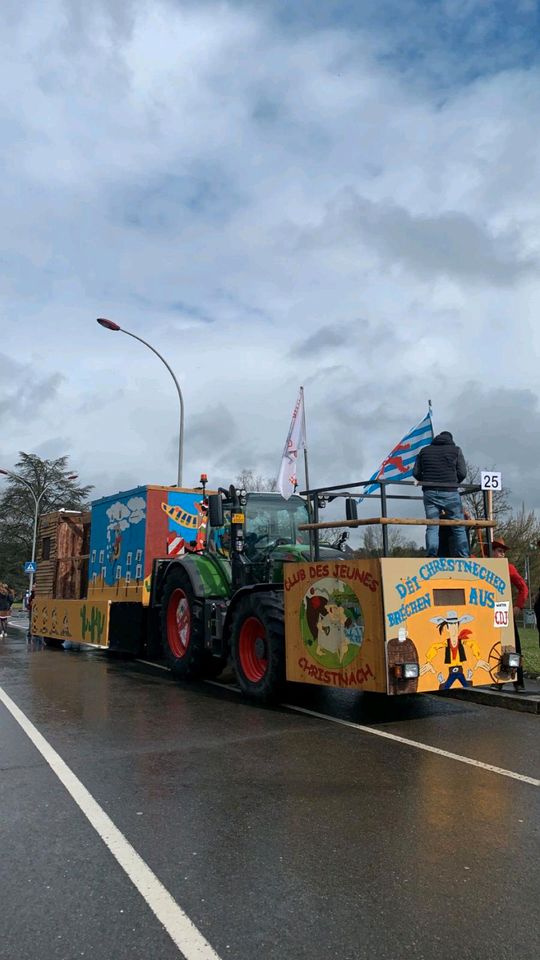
[182,629]
[53,642]
[187,657]
[258,646]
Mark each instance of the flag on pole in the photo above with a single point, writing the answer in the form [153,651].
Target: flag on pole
[399,463]
[296,440]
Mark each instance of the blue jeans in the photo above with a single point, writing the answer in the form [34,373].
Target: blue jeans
[450,501]
[455,675]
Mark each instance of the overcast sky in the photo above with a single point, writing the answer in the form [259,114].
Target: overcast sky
[345,196]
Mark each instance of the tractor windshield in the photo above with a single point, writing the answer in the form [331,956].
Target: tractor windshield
[271,520]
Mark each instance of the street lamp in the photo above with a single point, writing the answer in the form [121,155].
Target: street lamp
[111,325]
[37,500]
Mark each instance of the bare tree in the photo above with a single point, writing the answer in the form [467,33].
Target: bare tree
[398,544]
[521,532]
[473,503]
[255,482]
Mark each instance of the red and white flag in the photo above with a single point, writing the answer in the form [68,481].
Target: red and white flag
[296,440]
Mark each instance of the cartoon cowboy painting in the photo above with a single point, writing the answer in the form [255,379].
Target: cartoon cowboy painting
[453,642]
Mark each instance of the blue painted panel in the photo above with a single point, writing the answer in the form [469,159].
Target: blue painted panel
[117,537]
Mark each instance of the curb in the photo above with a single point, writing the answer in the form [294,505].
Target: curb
[497,698]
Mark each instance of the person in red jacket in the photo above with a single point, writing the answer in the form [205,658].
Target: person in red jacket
[500,550]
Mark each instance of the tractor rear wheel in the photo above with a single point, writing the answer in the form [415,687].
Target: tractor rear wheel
[258,645]
[182,630]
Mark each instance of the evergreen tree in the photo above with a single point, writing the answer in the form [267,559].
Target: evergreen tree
[51,482]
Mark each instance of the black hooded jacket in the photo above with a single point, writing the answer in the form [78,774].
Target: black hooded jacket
[440,463]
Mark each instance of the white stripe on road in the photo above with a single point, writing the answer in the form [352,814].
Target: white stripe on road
[149,663]
[415,743]
[388,736]
[181,930]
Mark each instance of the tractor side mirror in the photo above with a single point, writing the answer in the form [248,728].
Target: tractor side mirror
[351,509]
[215,510]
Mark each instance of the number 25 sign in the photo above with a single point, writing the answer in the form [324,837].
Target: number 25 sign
[490,480]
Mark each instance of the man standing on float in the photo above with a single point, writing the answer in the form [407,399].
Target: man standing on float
[439,469]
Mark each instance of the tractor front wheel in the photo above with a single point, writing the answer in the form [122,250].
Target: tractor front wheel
[182,631]
[258,646]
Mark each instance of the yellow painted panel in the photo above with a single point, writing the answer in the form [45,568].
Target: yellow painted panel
[452,616]
[121,592]
[334,624]
[83,621]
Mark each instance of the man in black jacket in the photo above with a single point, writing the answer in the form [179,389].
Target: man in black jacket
[442,462]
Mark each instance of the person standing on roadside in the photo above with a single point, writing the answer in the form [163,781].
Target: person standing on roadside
[536,609]
[30,603]
[500,550]
[6,599]
[439,469]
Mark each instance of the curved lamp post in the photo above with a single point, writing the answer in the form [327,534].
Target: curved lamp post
[111,325]
[37,500]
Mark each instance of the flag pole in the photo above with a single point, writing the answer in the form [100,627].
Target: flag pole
[313,533]
[306,469]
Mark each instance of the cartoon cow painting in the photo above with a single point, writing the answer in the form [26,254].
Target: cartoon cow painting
[327,622]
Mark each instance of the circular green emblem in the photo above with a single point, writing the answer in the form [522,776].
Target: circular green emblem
[332,623]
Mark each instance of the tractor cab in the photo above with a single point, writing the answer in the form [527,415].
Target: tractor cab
[272,522]
[258,532]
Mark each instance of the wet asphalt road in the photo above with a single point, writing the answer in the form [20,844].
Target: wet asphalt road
[279,834]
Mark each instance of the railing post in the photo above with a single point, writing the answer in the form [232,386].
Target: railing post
[384,513]
[310,510]
[316,551]
[485,495]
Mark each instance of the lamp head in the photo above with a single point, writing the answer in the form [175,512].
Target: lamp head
[108,324]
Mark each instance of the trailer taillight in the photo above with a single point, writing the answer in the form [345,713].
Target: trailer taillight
[510,661]
[405,671]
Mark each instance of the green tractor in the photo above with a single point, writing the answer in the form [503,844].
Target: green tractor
[226,599]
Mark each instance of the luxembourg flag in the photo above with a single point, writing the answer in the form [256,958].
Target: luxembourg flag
[296,440]
[399,463]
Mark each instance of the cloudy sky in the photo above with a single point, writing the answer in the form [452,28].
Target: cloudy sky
[343,194]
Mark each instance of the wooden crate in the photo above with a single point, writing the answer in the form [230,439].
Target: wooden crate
[62,554]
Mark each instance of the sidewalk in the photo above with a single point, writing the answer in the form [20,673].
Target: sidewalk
[505,696]
[20,621]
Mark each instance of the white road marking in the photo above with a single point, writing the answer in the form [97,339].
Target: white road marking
[212,683]
[415,743]
[190,942]
[391,736]
[149,663]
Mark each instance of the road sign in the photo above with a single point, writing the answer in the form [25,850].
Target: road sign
[491,480]
[30,566]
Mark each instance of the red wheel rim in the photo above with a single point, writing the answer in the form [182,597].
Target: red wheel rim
[178,623]
[253,666]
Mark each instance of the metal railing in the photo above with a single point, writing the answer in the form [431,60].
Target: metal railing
[320,496]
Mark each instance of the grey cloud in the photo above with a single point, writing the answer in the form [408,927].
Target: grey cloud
[499,429]
[52,447]
[358,335]
[450,243]
[26,392]
[320,341]
[210,431]
[118,15]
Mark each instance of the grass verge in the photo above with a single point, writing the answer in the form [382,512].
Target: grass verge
[531,650]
